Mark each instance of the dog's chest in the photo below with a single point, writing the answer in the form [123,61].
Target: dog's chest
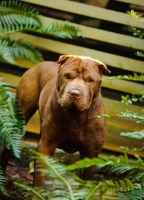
[73,138]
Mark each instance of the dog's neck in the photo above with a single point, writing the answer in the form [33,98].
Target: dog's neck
[73,115]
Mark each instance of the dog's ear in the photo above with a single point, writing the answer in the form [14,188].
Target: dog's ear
[103,68]
[62,59]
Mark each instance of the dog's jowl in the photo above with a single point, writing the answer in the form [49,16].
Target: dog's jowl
[67,94]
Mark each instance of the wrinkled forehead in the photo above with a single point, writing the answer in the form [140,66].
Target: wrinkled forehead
[80,64]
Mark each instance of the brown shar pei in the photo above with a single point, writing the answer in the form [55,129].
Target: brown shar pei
[67,94]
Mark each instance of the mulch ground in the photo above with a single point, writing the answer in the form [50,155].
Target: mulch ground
[18,174]
[18,170]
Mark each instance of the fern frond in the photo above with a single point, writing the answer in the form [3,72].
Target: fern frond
[10,50]
[135,135]
[62,30]
[136,32]
[136,16]
[11,121]
[23,49]
[134,98]
[126,115]
[5,54]
[133,195]
[63,184]
[134,77]
[139,53]
[18,16]
[2,182]
[60,181]
[30,190]
[131,149]
[113,166]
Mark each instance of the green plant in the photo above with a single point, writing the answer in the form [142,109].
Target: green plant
[127,169]
[12,122]
[17,16]
[12,125]
[2,182]
[119,177]
[133,98]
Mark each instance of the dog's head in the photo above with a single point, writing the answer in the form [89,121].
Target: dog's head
[79,81]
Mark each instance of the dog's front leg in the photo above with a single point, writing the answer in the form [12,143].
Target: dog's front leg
[89,172]
[45,147]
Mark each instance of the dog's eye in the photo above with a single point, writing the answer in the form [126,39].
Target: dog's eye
[68,76]
[90,80]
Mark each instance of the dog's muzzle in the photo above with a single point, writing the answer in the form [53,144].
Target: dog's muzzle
[75,94]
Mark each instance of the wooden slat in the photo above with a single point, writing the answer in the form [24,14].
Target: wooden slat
[122,85]
[104,36]
[135,2]
[64,48]
[88,10]
[113,140]
[10,78]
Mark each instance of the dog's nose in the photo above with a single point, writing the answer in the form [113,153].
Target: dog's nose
[75,94]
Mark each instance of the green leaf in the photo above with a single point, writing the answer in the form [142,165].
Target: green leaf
[12,122]
[2,182]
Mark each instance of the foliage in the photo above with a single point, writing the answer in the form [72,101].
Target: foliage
[134,77]
[11,120]
[10,50]
[139,135]
[140,96]
[125,115]
[119,176]
[136,16]
[133,195]
[133,98]
[17,16]
[137,32]
[2,182]
[11,125]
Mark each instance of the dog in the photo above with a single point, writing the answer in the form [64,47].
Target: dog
[67,94]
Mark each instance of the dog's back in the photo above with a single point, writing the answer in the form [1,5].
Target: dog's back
[31,85]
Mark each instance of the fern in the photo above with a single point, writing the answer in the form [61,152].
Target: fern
[63,30]
[133,195]
[136,16]
[5,54]
[113,166]
[125,115]
[18,49]
[11,120]
[2,182]
[18,16]
[134,77]
[139,135]
[62,183]
[135,135]
[134,98]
